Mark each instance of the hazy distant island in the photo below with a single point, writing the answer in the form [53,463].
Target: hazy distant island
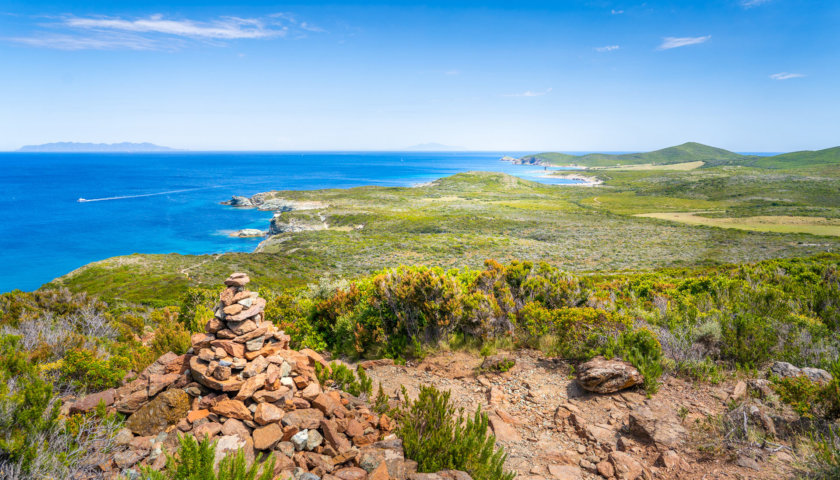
[123,147]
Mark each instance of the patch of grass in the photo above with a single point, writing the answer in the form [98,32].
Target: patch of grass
[778,224]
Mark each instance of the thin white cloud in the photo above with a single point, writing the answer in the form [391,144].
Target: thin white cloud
[75,42]
[616,12]
[157,32]
[452,72]
[676,42]
[786,75]
[753,3]
[529,93]
[607,48]
[226,28]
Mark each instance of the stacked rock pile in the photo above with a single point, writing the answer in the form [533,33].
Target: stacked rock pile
[242,386]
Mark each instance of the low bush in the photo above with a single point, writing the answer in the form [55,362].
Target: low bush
[438,436]
[85,370]
[342,378]
[194,461]
[642,349]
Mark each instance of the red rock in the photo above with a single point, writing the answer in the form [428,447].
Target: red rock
[160,382]
[232,409]
[227,295]
[380,473]
[626,467]
[244,338]
[209,430]
[267,413]
[255,308]
[303,419]
[503,431]
[606,469]
[90,402]
[607,376]
[315,357]
[272,396]
[214,325]
[350,473]
[333,437]
[326,404]
[282,463]
[233,309]
[266,437]
[201,340]
[381,362]
[237,280]
[311,391]
[354,428]
[194,415]
[235,427]
[565,472]
[250,386]
[230,347]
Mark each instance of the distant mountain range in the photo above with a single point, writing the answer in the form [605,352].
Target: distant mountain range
[67,147]
[687,152]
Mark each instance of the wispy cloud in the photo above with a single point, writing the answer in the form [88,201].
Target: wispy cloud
[753,3]
[226,28]
[157,31]
[607,48]
[529,93]
[676,42]
[452,72]
[786,75]
[616,12]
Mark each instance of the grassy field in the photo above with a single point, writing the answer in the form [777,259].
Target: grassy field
[779,224]
[653,166]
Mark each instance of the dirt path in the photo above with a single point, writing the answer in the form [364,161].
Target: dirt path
[553,429]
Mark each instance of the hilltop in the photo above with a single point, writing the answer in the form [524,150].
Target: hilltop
[73,147]
[687,153]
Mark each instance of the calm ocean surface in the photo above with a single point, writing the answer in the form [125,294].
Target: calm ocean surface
[169,202]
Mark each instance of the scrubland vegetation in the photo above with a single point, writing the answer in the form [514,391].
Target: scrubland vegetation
[403,272]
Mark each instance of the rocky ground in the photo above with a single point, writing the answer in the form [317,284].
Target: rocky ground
[552,428]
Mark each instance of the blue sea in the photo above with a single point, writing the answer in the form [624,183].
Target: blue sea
[169,202]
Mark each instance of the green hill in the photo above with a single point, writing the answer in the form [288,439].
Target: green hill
[687,152]
[805,158]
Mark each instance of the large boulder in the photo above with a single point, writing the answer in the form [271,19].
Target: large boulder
[786,370]
[607,376]
[166,409]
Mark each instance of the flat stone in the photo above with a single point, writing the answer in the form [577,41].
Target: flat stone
[241,327]
[230,347]
[303,419]
[90,402]
[257,307]
[255,344]
[237,279]
[266,437]
[232,409]
[272,396]
[266,413]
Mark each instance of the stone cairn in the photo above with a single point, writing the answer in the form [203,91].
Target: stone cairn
[242,386]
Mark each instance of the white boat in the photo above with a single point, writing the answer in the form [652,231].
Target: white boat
[80,200]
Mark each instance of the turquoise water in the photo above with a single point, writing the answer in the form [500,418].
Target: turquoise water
[169,202]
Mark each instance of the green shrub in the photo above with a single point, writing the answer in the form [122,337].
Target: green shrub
[195,305]
[342,378]
[171,337]
[26,405]
[438,437]
[810,399]
[194,461]
[83,369]
[825,463]
[642,349]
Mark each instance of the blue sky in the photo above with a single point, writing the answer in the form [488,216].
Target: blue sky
[748,75]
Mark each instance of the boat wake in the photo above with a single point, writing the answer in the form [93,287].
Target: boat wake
[125,197]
